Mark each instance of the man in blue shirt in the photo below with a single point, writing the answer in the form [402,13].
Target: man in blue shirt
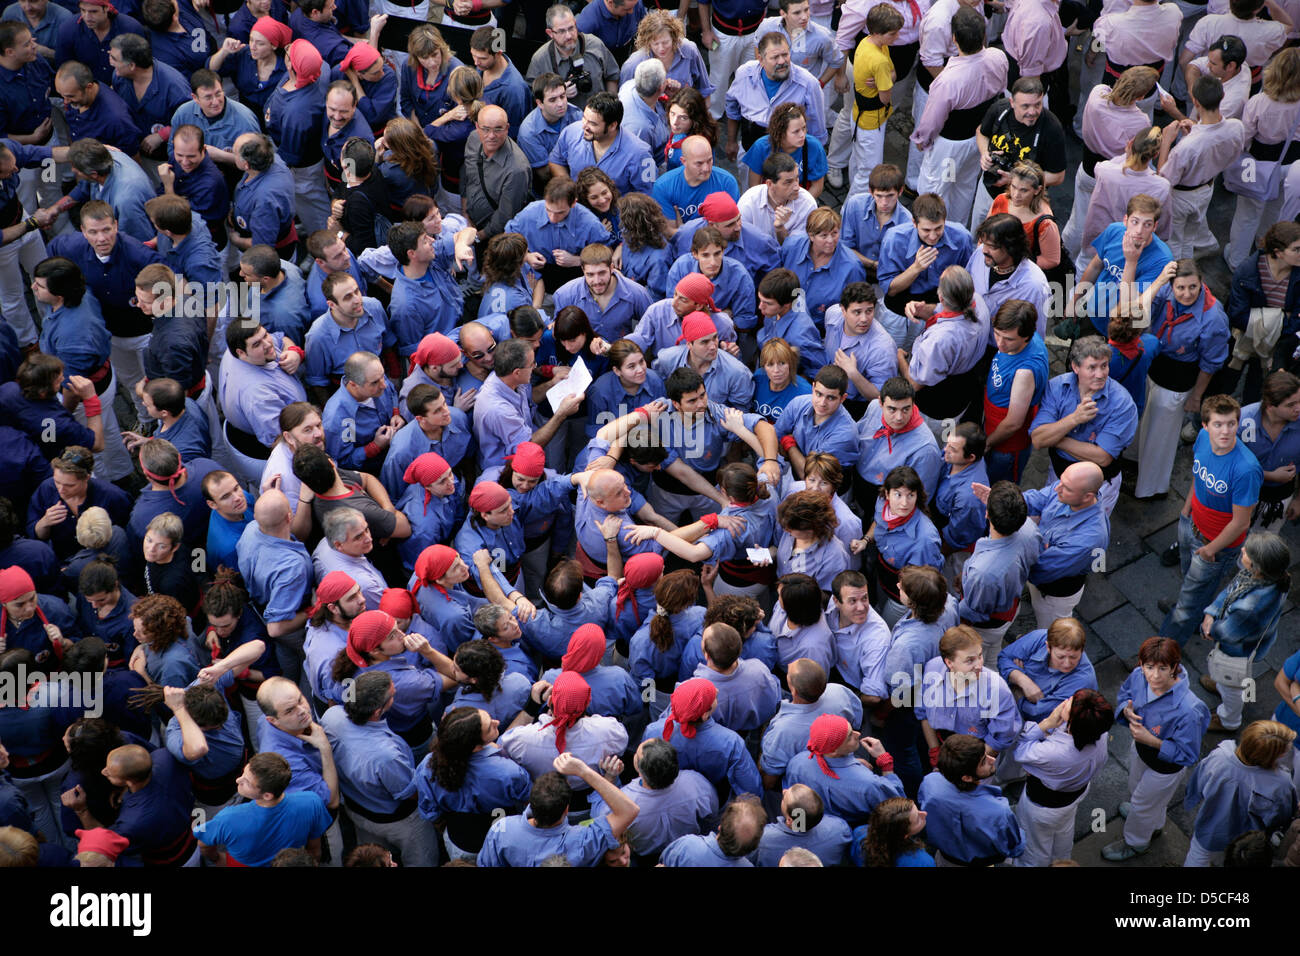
[615,22]
[968,821]
[94,111]
[503,85]
[152,90]
[643,106]
[681,192]
[359,418]
[280,292]
[819,423]
[25,85]
[1075,533]
[263,207]
[251,834]
[557,230]
[116,179]
[86,39]
[737,837]
[1127,257]
[314,22]
[599,140]
[912,258]
[221,120]
[541,128]
[195,176]
[611,301]
[868,217]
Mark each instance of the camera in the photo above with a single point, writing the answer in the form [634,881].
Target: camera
[1003,162]
[579,75]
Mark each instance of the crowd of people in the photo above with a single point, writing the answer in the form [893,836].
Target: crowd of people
[423,450]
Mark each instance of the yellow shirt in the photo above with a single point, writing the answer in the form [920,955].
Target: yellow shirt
[873,74]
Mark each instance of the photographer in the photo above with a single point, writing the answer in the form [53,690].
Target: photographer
[583,61]
[1012,131]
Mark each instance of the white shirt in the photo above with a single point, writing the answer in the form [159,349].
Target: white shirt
[758,212]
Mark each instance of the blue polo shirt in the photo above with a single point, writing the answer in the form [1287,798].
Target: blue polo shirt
[78,42]
[579,228]
[24,93]
[537,137]
[264,204]
[627,161]
[108,120]
[294,119]
[166,92]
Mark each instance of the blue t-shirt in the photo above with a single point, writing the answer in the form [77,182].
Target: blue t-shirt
[771,404]
[253,834]
[1284,714]
[809,172]
[1109,247]
[1221,481]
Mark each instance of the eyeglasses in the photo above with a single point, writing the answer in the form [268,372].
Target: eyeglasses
[481,355]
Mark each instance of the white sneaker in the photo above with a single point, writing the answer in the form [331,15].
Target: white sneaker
[835,178]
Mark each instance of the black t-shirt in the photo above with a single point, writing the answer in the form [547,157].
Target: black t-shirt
[1044,142]
[382,523]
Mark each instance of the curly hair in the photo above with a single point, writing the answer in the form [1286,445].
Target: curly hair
[808,511]
[162,618]
[887,836]
[588,178]
[641,221]
[503,258]
[693,103]
[483,665]
[656,22]
[674,593]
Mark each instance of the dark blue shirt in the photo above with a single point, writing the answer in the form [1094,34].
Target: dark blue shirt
[167,90]
[24,93]
[108,120]
[78,42]
[112,282]
[294,119]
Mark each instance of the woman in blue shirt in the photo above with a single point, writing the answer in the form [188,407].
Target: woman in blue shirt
[598,192]
[656,648]
[824,266]
[789,127]
[890,837]
[423,88]
[688,115]
[645,257]
[163,654]
[776,381]
[1243,617]
[258,68]
[507,282]
[903,534]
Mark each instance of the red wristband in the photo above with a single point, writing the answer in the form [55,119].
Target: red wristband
[295,348]
[372,450]
[476,6]
[885,764]
[934,756]
[93,406]
[709,521]
[644,412]
[546,371]
[788,442]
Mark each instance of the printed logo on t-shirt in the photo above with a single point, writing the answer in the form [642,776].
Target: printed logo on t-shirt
[1217,485]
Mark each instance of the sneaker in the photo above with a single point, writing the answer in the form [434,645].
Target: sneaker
[1208,683]
[1170,557]
[1124,809]
[1189,432]
[1119,851]
[1217,727]
[835,178]
[1165,605]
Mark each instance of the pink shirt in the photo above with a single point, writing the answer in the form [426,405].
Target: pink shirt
[1033,35]
[1268,121]
[937,44]
[1141,34]
[853,20]
[1290,7]
[965,82]
[1107,129]
[1204,152]
[1115,187]
[1235,92]
[1263,38]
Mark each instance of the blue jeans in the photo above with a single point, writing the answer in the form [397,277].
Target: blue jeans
[1201,581]
[1006,465]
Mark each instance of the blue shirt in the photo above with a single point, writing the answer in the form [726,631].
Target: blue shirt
[811,161]
[771,404]
[798,330]
[1196,333]
[1109,247]
[108,120]
[915,541]
[628,160]
[646,661]
[733,288]
[854,795]
[195,258]
[966,516]
[916,447]
[682,808]
[294,119]
[985,708]
[829,841]
[1112,430]
[757,251]
[608,400]
[376,769]
[424,96]
[680,200]
[253,834]
[325,37]
[278,572]
[747,697]
[285,309]
[613,31]
[619,316]
[264,205]
[1072,540]
[225,747]
[1035,663]
[23,95]
[328,344]
[899,247]
[513,841]
[78,42]
[315,283]
[1221,481]
[838,435]
[77,335]
[716,753]
[514,94]
[537,137]
[821,285]
[579,228]
[729,384]
[862,231]
[694,850]
[1233,797]
[492,780]
[156,819]
[221,131]
[1177,716]
[451,615]
[411,442]
[649,266]
[1271,454]
[350,425]
[969,825]
[613,691]
[167,90]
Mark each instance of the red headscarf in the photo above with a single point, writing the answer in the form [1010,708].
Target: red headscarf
[432,564]
[488,496]
[528,460]
[425,470]
[697,325]
[434,349]
[101,840]
[369,629]
[639,571]
[332,587]
[586,648]
[690,702]
[170,482]
[570,695]
[14,583]
[698,288]
[718,207]
[827,734]
[306,63]
[276,33]
[398,602]
[361,57]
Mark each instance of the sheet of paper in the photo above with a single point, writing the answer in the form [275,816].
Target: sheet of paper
[760,556]
[576,384]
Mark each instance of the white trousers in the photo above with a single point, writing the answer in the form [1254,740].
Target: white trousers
[868,153]
[841,142]
[1047,609]
[1150,796]
[992,638]
[1290,193]
[732,51]
[1230,710]
[983,203]
[1251,220]
[413,837]
[1198,855]
[1072,234]
[1188,231]
[1162,420]
[27,252]
[127,356]
[1049,831]
[1089,76]
[951,168]
[914,155]
[114,462]
[311,200]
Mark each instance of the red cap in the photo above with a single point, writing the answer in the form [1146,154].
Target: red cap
[697,325]
[103,841]
[432,564]
[570,696]
[306,62]
[528,460]
[332,587]
[690,702]
[14,583]
[369,629]
[398,602]
[827,734]
[276,33]
[434,349]
[361,57]
[719,207]
[639,571]
[586,648]
[425,470]
[488,496]
[698,288]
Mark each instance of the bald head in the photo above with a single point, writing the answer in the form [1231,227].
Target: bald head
[1081,480]
[493,116]
[807,680]
[475,337]
[605,485]
[131,763]
[697,159]
[803,799]
[271,511]
[275,692]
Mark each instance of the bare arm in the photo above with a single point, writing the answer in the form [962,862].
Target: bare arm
[1022,392]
